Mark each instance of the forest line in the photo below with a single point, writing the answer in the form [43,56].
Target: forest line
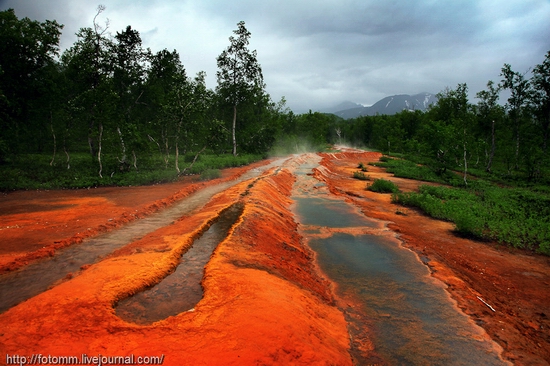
[130,109]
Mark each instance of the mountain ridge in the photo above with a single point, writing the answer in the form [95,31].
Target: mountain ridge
[389,105]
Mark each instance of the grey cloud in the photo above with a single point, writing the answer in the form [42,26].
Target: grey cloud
[319,52]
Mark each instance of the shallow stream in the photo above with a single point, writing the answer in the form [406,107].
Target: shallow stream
[181,290]
[387,294]
[39,276]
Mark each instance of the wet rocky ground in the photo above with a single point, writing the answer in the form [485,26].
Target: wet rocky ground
[265,298]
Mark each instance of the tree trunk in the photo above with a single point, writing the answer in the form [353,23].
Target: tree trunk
[166,155]
[194,160]
[490,163]
[68,158]
[65,148]
[177,157]
[233,130]
[91,145]
[99,149]
[135,160]
[54,139]
[465,160]
[123,146]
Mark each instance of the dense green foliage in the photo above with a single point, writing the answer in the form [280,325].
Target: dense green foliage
[129,109]
[516,216]
[383,186]
[17,174]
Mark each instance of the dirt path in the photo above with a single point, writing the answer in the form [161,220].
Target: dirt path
[264,299]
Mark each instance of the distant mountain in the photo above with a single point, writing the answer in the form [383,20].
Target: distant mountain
[342,107]
[389,105]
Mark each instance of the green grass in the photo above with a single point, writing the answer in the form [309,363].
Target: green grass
[407,169]
[515,216]
[360,176]
[33,171]
[383,186]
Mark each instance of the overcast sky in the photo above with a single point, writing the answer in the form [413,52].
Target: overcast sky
[318,53]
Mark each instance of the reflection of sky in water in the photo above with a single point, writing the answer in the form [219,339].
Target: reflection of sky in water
[413,320]
[330,213]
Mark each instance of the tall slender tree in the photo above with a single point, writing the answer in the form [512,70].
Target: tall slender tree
[239,75]
[519,88]
[130,64]
[541,98]
[89,65]
[489,113]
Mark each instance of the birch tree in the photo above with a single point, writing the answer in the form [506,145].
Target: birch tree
[239,75]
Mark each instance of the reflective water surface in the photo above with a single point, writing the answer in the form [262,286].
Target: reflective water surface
[37,277]
[389,296]
[181,290]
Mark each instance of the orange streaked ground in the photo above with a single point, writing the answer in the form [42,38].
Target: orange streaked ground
[265,302]
[515,283]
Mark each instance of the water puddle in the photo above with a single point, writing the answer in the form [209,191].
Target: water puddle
[181,290]
[391,298]
[37,277]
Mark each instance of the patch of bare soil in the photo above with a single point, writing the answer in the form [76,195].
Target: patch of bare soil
[506,291]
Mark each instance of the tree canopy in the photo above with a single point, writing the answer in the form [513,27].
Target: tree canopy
[122,105]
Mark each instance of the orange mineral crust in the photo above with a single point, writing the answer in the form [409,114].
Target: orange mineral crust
[515,284]
[34,224]
[263,303]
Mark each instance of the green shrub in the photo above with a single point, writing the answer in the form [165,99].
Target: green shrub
[515,216]
[407,169]
[360,176]
[383,186]
[363,167]
[33,171]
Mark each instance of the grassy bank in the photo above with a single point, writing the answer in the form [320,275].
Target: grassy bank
[516,215]
[33,171]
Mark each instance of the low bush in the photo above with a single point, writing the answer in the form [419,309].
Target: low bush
[514,216]
[383,186]
[360,176]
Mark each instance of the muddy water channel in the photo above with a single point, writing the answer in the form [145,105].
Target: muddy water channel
[386,293]
[181,290]
[37,277]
